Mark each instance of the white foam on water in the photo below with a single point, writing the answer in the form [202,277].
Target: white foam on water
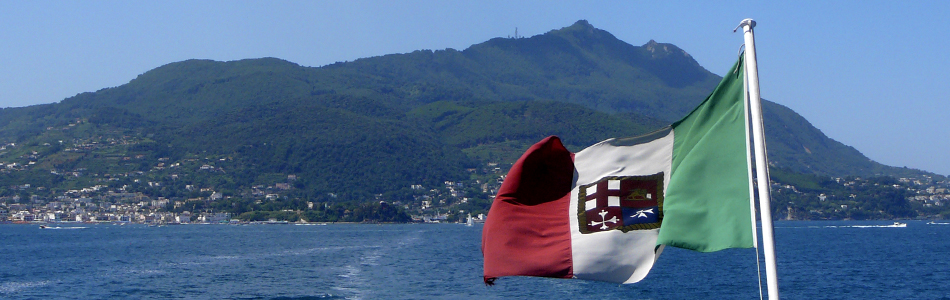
[78,227]
[353,278]
[352,283]
[13,287]
[867,226]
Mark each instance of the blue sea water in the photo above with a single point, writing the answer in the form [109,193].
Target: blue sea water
[816,260]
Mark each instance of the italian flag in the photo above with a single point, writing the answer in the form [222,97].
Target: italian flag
[605,213]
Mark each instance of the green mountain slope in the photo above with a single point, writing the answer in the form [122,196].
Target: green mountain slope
[381,124]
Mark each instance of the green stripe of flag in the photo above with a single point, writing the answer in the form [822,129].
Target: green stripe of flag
[707,200]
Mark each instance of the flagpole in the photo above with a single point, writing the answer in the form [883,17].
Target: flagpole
[761,160]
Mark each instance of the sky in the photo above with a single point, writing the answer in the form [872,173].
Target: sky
[870,74]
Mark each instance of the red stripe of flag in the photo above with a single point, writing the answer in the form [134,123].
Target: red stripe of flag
[527,232]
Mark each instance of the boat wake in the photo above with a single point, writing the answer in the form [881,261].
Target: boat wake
[895,225]
[78,227]
[14,287]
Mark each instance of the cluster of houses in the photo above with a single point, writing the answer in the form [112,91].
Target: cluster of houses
[926,190]
[932,196]
[89,211]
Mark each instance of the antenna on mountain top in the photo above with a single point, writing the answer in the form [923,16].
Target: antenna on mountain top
[516,32]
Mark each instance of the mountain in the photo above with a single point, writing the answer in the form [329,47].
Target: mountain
[380,124]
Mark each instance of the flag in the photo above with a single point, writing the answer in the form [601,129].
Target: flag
[606,212]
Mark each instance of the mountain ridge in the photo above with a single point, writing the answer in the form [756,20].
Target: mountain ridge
[419,117]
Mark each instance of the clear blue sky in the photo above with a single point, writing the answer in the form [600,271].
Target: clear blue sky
[871,74]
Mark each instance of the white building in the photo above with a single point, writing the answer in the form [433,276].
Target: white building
[183,218]
[215,218]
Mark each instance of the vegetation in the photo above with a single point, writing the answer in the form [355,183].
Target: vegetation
[799,196]
[395,128]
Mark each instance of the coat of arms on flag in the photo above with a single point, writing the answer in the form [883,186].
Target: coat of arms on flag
[624,203]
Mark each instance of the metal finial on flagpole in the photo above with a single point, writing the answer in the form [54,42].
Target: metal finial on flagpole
[746,22]
[761,158]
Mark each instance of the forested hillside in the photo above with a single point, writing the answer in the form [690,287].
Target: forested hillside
[374,128]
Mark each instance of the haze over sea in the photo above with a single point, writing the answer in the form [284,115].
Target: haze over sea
[816,260]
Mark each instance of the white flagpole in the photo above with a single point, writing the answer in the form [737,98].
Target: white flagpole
[748,159]
[761,161]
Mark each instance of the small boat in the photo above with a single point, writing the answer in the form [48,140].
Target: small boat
[899,224]
[42,226]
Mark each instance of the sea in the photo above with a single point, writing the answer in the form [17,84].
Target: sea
[816,260]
